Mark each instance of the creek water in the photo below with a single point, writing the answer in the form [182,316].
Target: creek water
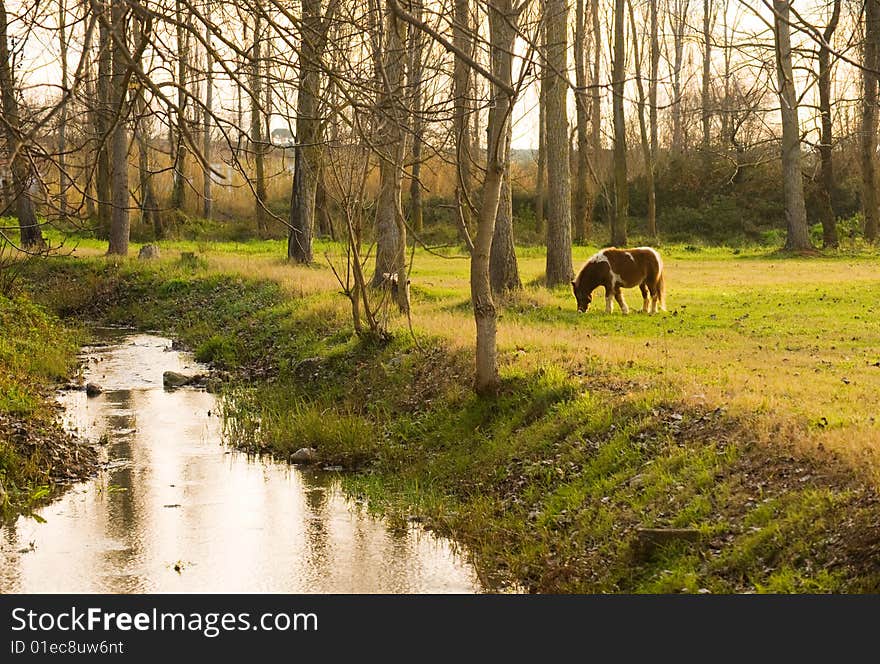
[175,510]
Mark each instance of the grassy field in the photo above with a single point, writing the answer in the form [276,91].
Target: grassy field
[745,413]
[793,339]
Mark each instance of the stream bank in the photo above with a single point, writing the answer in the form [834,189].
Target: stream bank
[552,486]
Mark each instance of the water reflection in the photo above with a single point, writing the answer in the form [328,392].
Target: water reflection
[176,512]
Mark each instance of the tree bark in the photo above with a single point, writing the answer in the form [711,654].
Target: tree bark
[63,180]
[307,155]
[581,209]
[461,93]
[119,217]
[869,118]
[391,143]
[31,237]
[792,179]
[621,193]
[503,266]
[542,154]
[258,143]
[178,189]
[207,143]
[705,89]
[502,22]
[416,67]
[103,117]
[828,218]
[149,206]
[652,82]
[559,266]
[643,131]
[678,20]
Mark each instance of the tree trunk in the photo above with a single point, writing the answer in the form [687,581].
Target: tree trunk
[31,237]
[828,218]
[652,82]
[503,267]
[63,180]
[621,194]
[869,118]
[307,156]
[416,67]
[581,206]
[103,117]
[792,178]
[596,104]
[207,183]
[542,155]
[119,218]
[391,143]
[502,24]
[705,96]
[178,189]
[643,130]
[559,266]
[461,92]
[322,211]
[258,144]
[678,20]
[149,206]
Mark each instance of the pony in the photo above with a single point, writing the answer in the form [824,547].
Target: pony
[622,268]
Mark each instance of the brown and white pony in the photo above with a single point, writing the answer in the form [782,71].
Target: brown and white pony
[622,268]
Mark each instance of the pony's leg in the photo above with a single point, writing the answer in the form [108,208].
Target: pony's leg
[619,297]
[644,289]
[609,306]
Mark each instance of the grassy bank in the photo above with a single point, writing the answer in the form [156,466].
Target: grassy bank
[605,427]
[36,455]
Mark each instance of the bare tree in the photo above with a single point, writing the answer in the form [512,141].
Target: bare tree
[207,142]
[21,166]
[391,146]
[618,75]
[559,267]
[581,210]
[870,67]
[678,22]
[792,178]
[119,218]
[828,218]
[647,156]
[309,148]
[416,72]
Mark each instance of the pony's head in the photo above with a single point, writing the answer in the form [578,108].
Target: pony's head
[583,296]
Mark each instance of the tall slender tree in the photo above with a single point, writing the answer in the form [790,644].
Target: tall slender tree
[792,178]
[559,266]
[826,213]
[618,75]
[31,236]
[871,55]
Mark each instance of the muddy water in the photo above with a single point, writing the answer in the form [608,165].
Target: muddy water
[176,511]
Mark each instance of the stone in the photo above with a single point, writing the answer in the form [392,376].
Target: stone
[304,455]
[149,252]
[93,389]
[174,379]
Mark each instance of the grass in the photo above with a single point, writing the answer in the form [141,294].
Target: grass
[36,350]
[746,412]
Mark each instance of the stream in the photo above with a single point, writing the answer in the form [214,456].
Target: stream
[175,510]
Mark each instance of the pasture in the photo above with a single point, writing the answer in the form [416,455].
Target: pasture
[790,342]
[745,414]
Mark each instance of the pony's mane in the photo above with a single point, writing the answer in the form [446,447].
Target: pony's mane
[598,257]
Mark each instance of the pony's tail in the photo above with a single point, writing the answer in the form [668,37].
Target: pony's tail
[661,288]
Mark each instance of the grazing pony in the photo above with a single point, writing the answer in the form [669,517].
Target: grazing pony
[622,268]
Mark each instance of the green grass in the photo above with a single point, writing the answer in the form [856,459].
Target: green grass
[708,417]
[36,350]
